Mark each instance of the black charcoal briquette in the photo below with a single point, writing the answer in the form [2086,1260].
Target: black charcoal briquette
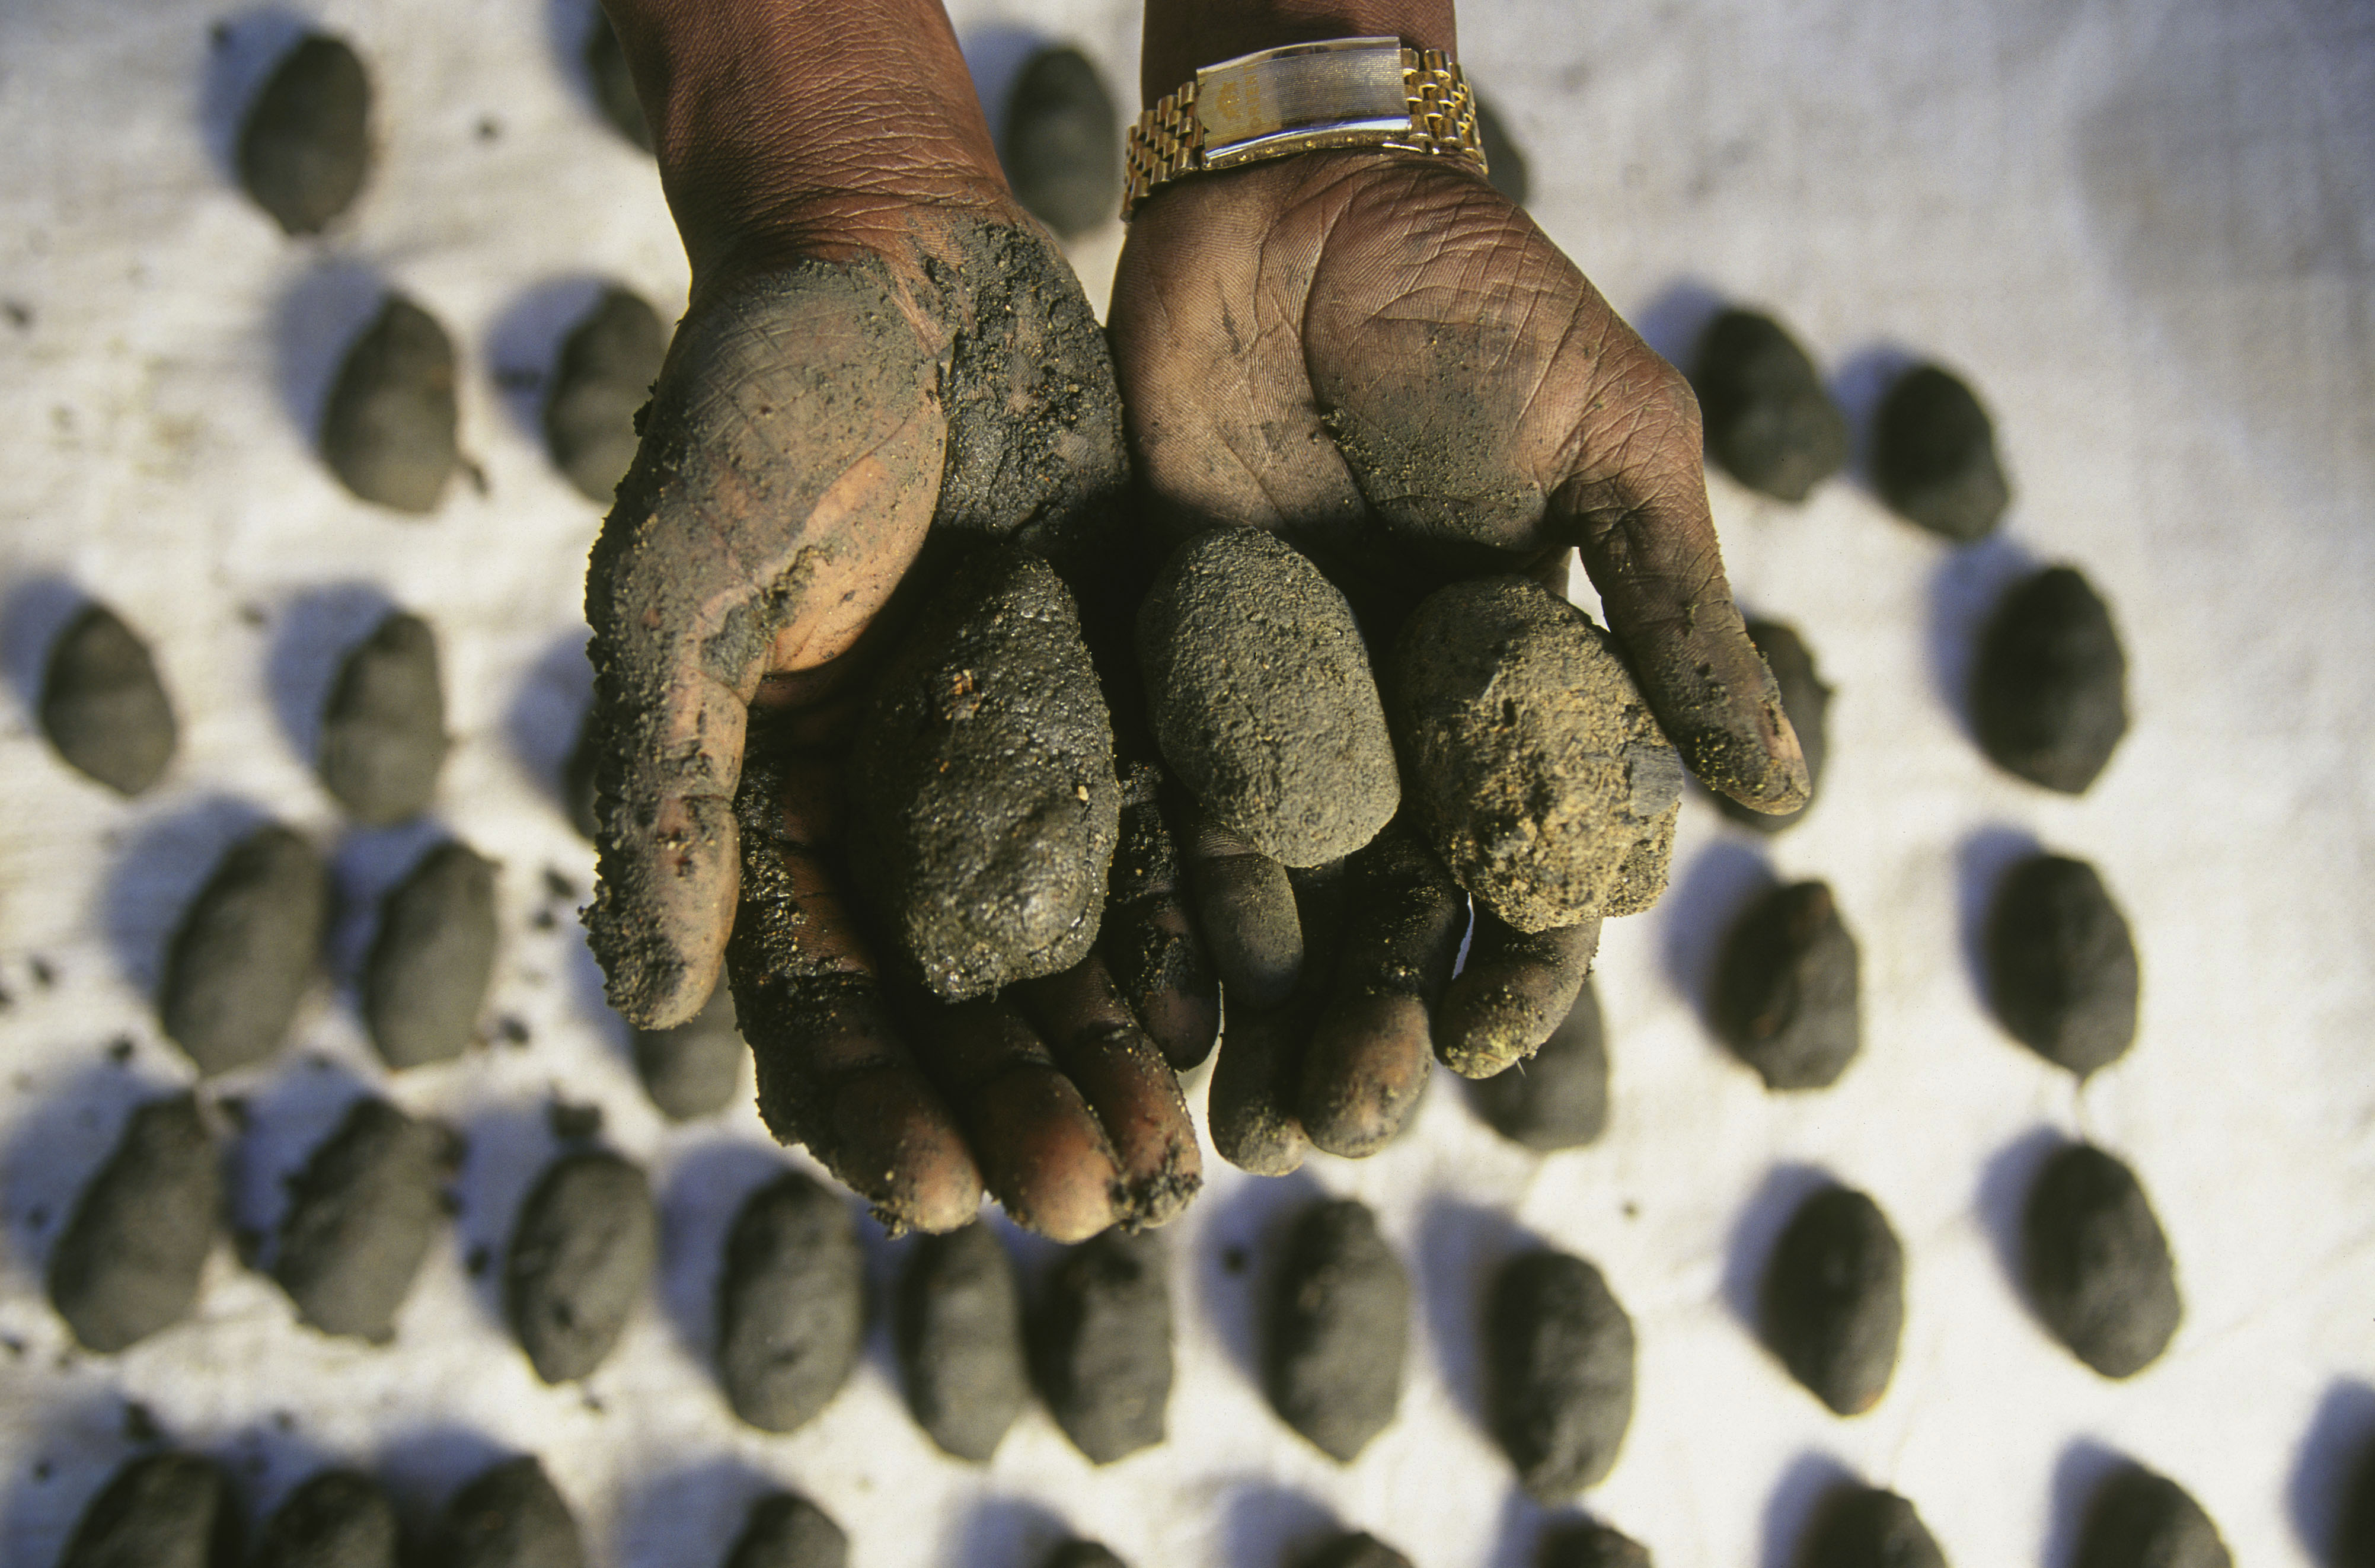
[1062,143]
[1865,1526]
[2353,1542]
[389,431]
[306,147]
[1591,1544]
[1807,703]
[2139,1519]
[246,951]
[614,84]
[2062,968]
[1355,1549]
[1770,422]
[2050,696]
[426,975]
[362,1216]
[103,705]
[1558,1097]
[960,1335]
[1339,1329]
[2096,1263]
[1084,1554]
[129,1261]
[693,1070]
[511,1518]
[162,1511]
[1504,165]
[1934,456]
[338,1519]
[785,1531]
[384,735]
[580,1261]
[1101,1344]
[1559,1355]
[609,362]
[791,1303]
[1788,988]
[1832,1302]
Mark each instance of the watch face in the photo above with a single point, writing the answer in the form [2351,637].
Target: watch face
[1250,106]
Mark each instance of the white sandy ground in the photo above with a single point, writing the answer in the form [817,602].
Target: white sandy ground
[2145,229]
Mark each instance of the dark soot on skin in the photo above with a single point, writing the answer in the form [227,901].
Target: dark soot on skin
[1806,700]
[580,1261]
[1591,1545]
[103,707]
[1062,146]
[1338,1330]
[1863,1526]
[984,808]
[128,1262]
[1787,996]
[389,430]
[247,951]
[791,1303]
[338,1519]
[162,1511]
[693,1069]
[1832,1302]
[786,1531]
[305,147]
[613,84]
[609,362]
[511,1518]
[1081,1553]
[384,729]
[1101,1344]
[1354,1550]
[1770,421]
[427,973]
[2062,968]
[1559,1356]
[1257,686]
[361,1217]
[2138,1519]
[2097,1264]
[1558,1097]
[1507,164]
[960,1336]
[2050,695]
[1934,456]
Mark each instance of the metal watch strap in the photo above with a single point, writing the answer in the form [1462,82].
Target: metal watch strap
[1299,99]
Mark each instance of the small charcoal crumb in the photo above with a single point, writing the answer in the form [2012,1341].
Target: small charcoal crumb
[2062,967]
[608,364]
[1504,164]
[1788,990]
[43,975]
[1338,1332]
[163,1511]
[556,886]
[960,1337]
[580,1261]
[542,920]
[2139,1519]
[573,1124]
[1558,1097]
[511,1031]
[1354,1550]
[120,1050]
[383,737]
[614,85]
[426,975]
[1934,456]
[1863,1526]
[1062,143]
[2049,694]
[693,1069]
[511,1518]
[791,1303]
[2096,1263]
[1591,1544]
[306,146]
[1832,1302]
[336,1519]
[103,705]
[490,128]
[20,315]
[129,1261]
[1806,702]
[1770,422]
[389,431]
[1083,1553]
[1101,1344]
[362,1216]
[246,953]
[1559,1355]
[786,1531]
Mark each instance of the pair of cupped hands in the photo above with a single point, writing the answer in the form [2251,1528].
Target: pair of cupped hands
[885,364]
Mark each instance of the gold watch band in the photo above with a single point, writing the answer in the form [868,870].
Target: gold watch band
[1342,93]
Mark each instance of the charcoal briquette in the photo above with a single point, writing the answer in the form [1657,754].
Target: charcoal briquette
[785,1531]
[2353,1540]
[510,1516]
[1355,1548]
[103,705]
[247,951]
[1832,1303]
[960,1337]
[1559,1359]
[1788,989]
[390,429]
[1934,456]
[791,1303]
[2050,695]
[580,1261]
[1806,702]
[693,1069]
[129,1261]
[1101,1344]
[362,1216]
[1591,1544]
[336,1519]
[384,735]
[426,975]
[1865,1527]
[306,147]
[1558,1097]
[1084,1554]
[2139,1519]
[2096,1262]
[1338,1330]
[1770,422]
[2062,967]
[1062,143]
[161,1511]
[608,364]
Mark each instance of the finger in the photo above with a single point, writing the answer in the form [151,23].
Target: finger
[1246,909]
[1099,1045]
[1150,947]
[1516,989]
[1371,1051]
[1251,1103]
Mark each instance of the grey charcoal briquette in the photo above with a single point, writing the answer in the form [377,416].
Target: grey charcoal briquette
[161,1511]
[384,735]
[613,83]
[1062,143]
[2062,968]
[1258,688]
[1558,1097]
[791,1303]
[1559,1355]
[1338,1330]
[609,362]
[338,1519]
[426,975]
[960,1337]
[693,1069]
[1806,702]
[362,1216]
[1536,772]
[1832,1302]
[983,804]
[246,951]
[1504,164]
[2352,1544]
[103,707]
[1865,1526]
[306,147]
[580,1261]
[1591,1544]
[2050,696]
[1101,1344]
[389,431]
[511,1518]
[1934,456]
[1085,1553]
[785,1531]
[1770,422]
[2139,1519]
[2096,1263]
[1355,1548]
[129,1261]
[1788,988]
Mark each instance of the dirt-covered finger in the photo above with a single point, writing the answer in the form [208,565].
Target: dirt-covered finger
[1099,1045]
[1149,945]
[1516,989]
[1246,909]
